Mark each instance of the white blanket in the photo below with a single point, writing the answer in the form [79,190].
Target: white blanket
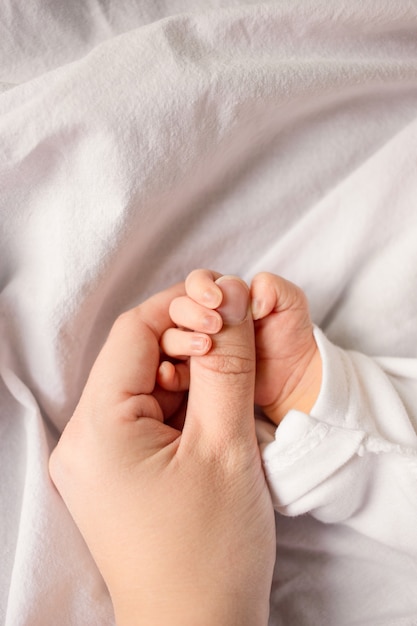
[139,141]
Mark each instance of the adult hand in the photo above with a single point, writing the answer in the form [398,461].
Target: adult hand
[179,521]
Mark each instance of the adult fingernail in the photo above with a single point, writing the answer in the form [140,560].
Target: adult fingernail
[234,306]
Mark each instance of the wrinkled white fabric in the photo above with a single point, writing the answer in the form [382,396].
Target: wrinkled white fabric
[146,139]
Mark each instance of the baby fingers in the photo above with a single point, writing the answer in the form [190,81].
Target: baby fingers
[271,293]
[186,313]
[182,344]
[173,376]
[200,286]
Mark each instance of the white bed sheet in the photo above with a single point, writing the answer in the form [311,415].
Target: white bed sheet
[140,140]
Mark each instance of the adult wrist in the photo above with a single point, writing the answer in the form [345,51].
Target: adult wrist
[191,610]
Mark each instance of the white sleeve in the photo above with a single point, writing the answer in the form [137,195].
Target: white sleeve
[353,459]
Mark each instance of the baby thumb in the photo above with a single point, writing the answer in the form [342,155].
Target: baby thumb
[221,395]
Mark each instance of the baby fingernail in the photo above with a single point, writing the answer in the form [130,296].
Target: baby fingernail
[200,344]
[211,323]
[234,306]
[256,308]
[212,297]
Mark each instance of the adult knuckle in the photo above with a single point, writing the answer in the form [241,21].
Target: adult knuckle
[125,320]
[232,365]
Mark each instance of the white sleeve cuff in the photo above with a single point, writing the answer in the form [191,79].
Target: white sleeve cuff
[330,462]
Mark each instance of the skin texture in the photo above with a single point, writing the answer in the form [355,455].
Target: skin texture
[288,363]
[178,518]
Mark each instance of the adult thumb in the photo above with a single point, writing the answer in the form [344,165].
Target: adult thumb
[221,394]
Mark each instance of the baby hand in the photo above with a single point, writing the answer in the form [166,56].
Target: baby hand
[288,363]
[199,316]
[197,320]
